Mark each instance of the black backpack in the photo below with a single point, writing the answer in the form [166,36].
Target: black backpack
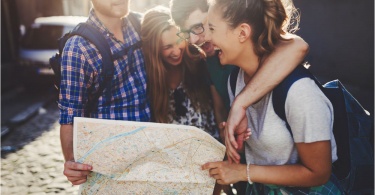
[95,37]
[352,129]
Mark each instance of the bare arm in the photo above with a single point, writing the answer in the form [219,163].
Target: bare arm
[220,111]
[66,138]
[314,170]
[286,57]
[75,172]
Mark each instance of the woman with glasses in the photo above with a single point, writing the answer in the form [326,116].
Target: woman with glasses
[292,156]
[178,84]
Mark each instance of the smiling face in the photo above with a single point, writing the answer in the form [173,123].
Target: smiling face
[223,38]
[195,18]
[172,48]
[111,8]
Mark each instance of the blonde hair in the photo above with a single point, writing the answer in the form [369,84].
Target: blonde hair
[155,22]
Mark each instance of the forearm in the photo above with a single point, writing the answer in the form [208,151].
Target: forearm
[220,111]
[288,175]
[286,57]
[66,138]
[314,168]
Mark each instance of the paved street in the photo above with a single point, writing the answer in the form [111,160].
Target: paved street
[34,164]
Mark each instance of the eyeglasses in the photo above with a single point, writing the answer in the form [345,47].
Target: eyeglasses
[196,29]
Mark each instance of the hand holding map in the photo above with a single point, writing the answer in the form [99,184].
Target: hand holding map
[144,158]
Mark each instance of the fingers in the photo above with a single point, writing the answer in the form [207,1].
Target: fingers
[217,171]
[210,165]
[229,135]
[76,172]
[222,125]
[231,153]
[233,156]
[247,134]
[77,166]
[78,181]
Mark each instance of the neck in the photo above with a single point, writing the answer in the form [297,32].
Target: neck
[248,61]
[174,76]
[114,25]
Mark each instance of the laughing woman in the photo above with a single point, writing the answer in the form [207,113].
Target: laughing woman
[244,32]
[177,82]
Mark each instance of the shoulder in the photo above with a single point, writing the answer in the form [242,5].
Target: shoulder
[308,111]
[305,89]
[79,45]
[305,101]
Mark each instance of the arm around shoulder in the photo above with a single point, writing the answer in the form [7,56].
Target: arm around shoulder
[275,67]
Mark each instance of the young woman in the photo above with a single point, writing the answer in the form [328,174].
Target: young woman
[244,32]
[178,84]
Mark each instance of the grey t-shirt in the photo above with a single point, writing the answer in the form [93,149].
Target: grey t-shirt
[310,116]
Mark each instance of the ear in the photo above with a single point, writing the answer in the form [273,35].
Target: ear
[244,32]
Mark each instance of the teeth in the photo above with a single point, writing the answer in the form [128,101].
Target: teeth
[217,49]
[200,45]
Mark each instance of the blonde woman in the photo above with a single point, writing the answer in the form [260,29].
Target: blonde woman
[178,84]
[244,32]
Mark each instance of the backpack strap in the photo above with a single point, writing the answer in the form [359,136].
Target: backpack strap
[280,92]
[95,37]
[135,20]
[233,79]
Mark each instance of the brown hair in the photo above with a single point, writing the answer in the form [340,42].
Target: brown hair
[155,22]
[181,9]
[268,19]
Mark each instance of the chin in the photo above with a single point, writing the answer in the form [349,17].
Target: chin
[210,53]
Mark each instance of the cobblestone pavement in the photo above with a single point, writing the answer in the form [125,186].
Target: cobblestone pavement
[36,165]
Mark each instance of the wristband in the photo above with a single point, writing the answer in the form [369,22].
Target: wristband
[248,174]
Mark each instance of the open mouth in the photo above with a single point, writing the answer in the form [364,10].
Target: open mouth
[201,44]
[217,50]
[175,59]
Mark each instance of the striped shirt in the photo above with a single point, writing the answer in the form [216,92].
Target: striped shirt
[80,71]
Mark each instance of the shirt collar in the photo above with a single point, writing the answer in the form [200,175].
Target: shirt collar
[94,20]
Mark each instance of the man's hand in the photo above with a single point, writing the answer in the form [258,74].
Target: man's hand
[236,132]
[76,172]
[226,173]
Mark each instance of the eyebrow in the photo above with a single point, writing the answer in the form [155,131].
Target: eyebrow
[191,26]
[165,47]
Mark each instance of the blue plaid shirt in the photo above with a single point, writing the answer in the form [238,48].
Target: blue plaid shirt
[80,70]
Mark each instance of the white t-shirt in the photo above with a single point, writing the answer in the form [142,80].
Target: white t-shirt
[309,114]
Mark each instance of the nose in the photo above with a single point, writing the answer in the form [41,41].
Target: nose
[207,36]
[176,50]
[194,38]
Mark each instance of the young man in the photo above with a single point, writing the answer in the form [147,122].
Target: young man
[191,17]
[124,99]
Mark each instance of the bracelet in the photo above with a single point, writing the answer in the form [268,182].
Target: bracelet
[248,174]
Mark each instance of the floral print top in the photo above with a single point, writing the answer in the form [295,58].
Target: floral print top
[181,111]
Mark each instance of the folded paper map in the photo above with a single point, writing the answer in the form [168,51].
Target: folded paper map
[144,158]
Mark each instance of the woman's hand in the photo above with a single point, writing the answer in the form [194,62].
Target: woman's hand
[226,173]
[236,132]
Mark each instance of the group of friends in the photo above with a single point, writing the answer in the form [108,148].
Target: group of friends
[180,76]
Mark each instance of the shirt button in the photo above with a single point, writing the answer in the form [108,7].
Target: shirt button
[107,34]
